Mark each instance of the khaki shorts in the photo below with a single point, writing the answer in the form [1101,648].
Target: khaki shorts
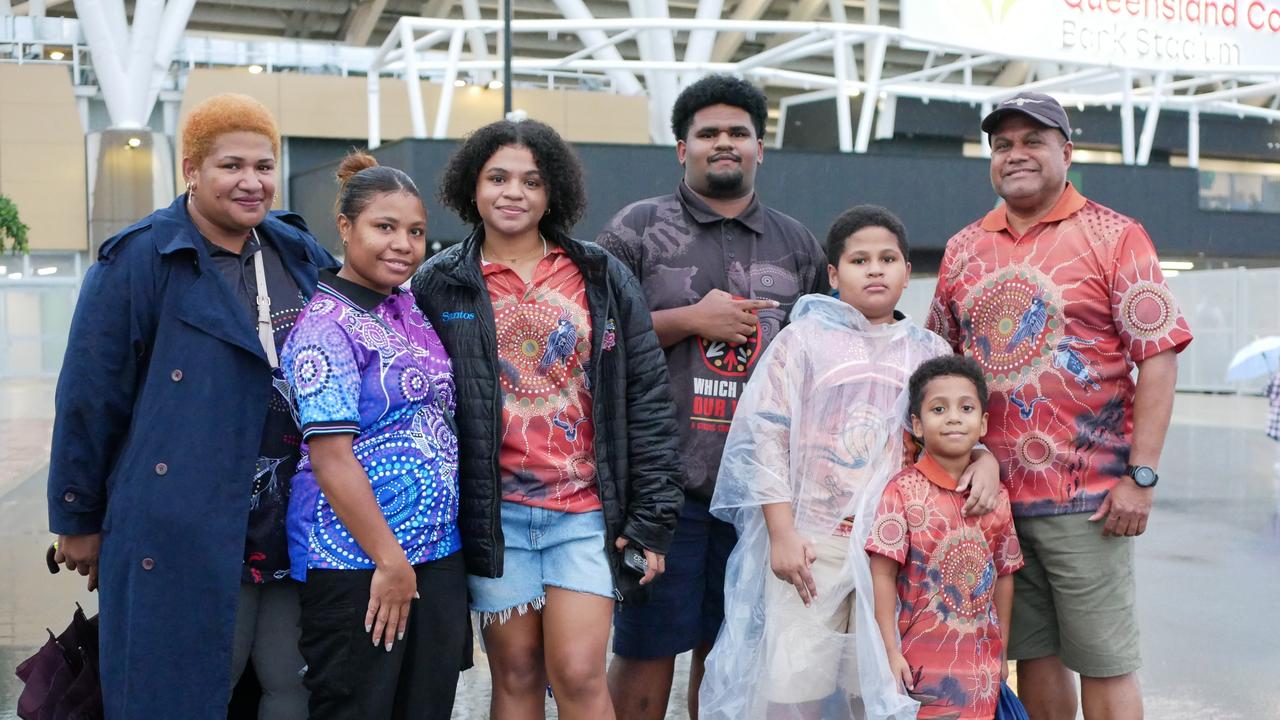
[1074,598]
[808,650]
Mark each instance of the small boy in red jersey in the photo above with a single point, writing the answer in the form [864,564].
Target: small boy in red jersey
[943,582]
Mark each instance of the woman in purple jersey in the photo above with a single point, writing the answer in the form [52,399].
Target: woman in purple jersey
[373,516]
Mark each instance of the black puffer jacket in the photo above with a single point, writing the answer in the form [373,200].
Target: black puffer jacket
[636,440]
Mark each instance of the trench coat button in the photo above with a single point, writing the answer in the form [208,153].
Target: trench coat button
[161,468]
[69,497]
[176,376]
[148,563]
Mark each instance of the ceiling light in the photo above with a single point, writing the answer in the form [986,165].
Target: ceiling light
[1176,265]
[459,83]
[1171,273]
[56,55]
[495,84]
[51,270]
[15,276]
[4,269]
[134,142]
[255,69]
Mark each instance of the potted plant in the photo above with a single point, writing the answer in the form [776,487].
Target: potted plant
[13,232]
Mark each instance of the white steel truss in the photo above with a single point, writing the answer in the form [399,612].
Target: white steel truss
[432,48]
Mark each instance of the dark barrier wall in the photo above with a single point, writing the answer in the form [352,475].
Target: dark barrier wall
[934,195]
[812,126]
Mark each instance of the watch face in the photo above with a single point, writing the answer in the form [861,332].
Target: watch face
[1144,476]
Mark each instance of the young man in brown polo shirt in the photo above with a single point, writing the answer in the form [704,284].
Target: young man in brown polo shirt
[721,272]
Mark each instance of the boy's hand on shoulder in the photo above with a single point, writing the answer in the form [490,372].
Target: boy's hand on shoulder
[790,557]
[982,481]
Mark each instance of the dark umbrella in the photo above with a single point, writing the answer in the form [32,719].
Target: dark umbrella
[61,679]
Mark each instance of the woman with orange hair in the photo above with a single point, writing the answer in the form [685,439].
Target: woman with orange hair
[175,439]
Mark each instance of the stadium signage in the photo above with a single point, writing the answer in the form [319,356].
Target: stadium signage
[1172,33]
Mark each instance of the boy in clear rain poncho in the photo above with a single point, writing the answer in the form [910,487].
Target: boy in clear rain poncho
[817,434]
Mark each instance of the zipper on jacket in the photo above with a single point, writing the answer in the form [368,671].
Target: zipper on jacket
[597,360]
[470,277]
[491,343]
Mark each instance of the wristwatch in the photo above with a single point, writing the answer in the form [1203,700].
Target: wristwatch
[1142,475]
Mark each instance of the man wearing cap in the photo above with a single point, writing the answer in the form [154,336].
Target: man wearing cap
[1059,298]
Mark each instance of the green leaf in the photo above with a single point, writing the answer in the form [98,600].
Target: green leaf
[12,230]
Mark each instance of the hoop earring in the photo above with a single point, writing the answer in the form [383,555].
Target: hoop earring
[546,212]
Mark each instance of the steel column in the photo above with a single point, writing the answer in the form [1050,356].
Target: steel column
[476,39]
[577,10]
[874,66]
[172,25]
[446,91]
[698,48]
[413,82]
[1150,120]
[840,64]
[106,49]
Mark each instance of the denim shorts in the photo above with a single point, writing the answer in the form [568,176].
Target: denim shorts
[544,548]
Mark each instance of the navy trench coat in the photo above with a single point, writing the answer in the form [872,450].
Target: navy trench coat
[160,411]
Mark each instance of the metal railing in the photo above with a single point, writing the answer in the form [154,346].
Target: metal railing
[429,47]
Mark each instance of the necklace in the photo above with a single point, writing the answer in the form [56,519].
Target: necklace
[518,257]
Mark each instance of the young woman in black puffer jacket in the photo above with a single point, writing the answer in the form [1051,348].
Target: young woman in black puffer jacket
[567,434]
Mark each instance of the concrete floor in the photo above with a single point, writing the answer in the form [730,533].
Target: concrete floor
[1208,567]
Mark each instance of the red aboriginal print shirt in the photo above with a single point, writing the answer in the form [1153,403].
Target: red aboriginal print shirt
[946,588]
[544,348]
[1057,317]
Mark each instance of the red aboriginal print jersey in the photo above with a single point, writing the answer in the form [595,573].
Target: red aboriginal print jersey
[544,347]
[946,588]
[1057,318]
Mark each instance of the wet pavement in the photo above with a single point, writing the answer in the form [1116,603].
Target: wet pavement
[1208,567]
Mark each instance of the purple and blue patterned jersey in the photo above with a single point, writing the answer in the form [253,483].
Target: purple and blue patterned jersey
[371,365]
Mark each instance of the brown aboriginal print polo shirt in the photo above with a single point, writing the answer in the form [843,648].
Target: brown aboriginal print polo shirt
[681,249]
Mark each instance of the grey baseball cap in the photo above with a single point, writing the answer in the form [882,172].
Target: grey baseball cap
[1037,106]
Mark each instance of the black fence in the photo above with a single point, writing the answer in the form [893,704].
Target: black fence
[934,194]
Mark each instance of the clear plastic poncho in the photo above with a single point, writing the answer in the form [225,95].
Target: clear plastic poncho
[820,425]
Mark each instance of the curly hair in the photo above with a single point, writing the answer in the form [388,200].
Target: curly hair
[226,113]
[557,162]
[719,90]
[862,216]
[946,366]
[361,179]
